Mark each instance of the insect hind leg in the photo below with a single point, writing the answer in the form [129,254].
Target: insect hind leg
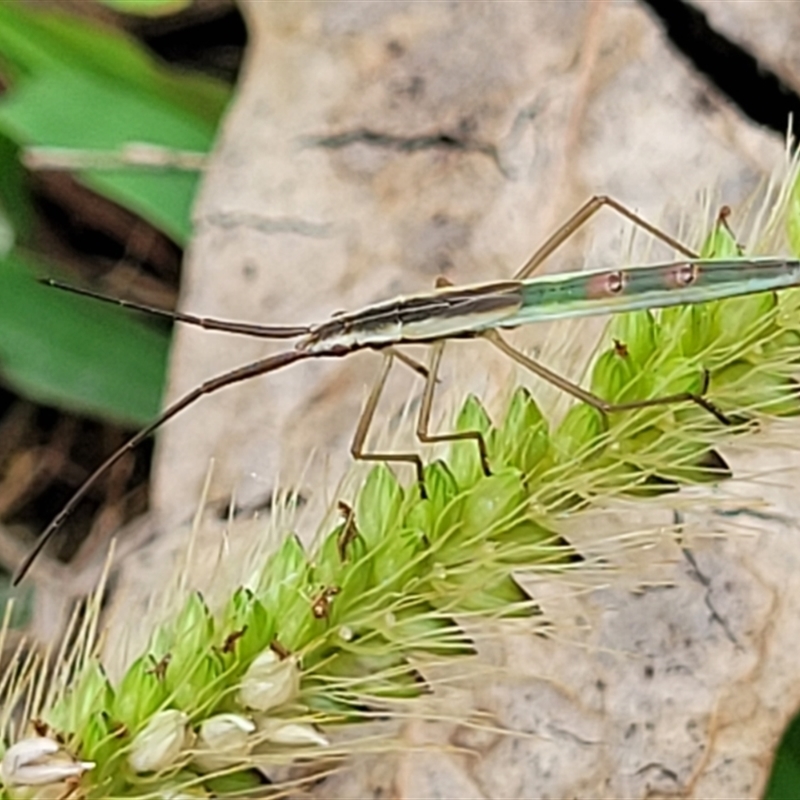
[560,382]
[580,218]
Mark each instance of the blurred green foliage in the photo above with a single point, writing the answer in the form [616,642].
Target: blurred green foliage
[148,8]
[81,85]
[784,783]
[61,348]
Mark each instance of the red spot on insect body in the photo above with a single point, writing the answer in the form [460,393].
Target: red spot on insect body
[605,284]
[681,275]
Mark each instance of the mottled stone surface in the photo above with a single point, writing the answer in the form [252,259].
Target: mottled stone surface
[375,145]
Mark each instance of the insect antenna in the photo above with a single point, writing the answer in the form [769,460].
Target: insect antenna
[210,324]
[260,367]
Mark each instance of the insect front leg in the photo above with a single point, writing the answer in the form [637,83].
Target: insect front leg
[424,418]
[365,422]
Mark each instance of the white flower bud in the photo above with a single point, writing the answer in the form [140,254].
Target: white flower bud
[269,682]
[38,761]
[346,633]
[224,740]
[160,742]
[226,730]
[280,731]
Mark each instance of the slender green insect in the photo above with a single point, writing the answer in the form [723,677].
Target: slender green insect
[480,310]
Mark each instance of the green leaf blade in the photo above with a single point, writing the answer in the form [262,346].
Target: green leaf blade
[66,351]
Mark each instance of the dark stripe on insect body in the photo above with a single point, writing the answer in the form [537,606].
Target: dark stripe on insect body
[446,312]
[444,303]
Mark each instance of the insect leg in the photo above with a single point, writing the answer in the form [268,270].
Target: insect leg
[365,421]
[260,367]
[208,323]
[581,217]
[423,421]
[597,402]
[411,363]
